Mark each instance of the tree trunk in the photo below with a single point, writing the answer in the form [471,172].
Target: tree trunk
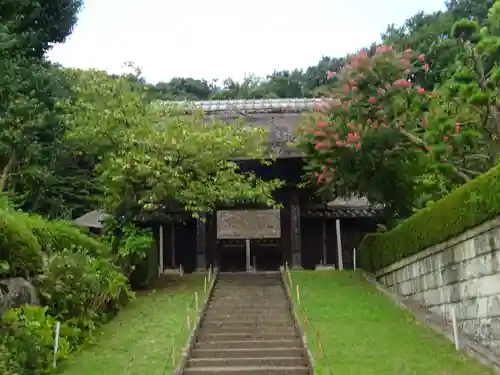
[6,171]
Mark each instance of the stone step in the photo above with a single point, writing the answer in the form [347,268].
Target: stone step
[247,336]
[250,305]
[247,353]
[248,344]
[256,330]
[246,323]
[253,303]
[248,310]
[252,362]
[248,317]
[254,370]
[235,297]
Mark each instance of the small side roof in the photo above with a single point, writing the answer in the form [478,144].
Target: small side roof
[92,219]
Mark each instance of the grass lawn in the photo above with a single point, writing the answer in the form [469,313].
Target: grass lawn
[364,332]
[139,340]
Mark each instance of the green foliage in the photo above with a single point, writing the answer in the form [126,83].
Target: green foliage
[57,235]
[79,288]
[467,206]
[130,244]
[37,25]
[19,247]
[8,364]
[381,133]
[77,281]
[28,335]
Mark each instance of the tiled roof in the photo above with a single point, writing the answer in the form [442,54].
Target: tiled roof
[248,105]
[344,212]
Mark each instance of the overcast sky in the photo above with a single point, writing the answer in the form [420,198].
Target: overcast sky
[225,38]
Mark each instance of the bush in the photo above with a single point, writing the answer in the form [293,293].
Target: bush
[81,289]
[18,245]
[28,336]
[78,281]
[57,235]
[8,365]
[467,206]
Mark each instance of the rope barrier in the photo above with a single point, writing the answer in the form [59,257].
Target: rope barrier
[194,305]
[306,322]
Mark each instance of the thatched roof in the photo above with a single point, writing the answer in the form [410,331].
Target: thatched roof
[279,116]
[92,219]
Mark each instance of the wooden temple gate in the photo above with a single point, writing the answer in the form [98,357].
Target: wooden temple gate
[302,234]
[310,233]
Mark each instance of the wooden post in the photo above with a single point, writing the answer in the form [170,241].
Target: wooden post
[56,344]
[205,284]
[160,245]
[455,328]
[324,243]
[188,319]
[354,258]
[181,271]
[298,293]
[196,301]
[173,244]
[173,354]
[247,253]
[339,245]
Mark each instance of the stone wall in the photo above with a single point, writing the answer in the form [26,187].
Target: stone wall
[463,273]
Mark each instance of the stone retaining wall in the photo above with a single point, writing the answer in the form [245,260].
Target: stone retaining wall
[464,273]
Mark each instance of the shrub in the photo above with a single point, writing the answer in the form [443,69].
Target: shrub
[81,289]
[467,206]
[28,335]
[8,365]
[18,246]
[57,235]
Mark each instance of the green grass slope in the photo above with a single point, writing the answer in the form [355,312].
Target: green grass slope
[364,332]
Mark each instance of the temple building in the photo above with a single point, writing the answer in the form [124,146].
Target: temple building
[305,233]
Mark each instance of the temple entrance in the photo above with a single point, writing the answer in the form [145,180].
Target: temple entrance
[264,255]
[249,240]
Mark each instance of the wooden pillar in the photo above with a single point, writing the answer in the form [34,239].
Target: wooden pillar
[172,244]
[285,224]
[161,248]
[296,247]
[339,245]
[201,259]
[324,241]
[211,240]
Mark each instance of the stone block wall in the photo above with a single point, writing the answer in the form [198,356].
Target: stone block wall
[463,273]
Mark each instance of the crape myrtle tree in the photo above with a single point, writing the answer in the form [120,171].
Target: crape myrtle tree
[381,135]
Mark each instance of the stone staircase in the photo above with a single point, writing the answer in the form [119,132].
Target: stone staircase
[248,329]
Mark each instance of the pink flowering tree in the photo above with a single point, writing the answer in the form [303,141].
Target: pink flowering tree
[381,135]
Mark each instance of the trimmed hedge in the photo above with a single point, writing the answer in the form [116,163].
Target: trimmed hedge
[467,206]
[18,246]
[57,235]
[26,239]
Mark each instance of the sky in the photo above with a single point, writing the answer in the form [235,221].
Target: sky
[225,38]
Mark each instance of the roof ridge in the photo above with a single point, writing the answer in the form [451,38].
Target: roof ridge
[249,105]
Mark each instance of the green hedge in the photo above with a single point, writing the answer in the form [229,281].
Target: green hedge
[57,235]
[469,205]
[18,246]
[26,239]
